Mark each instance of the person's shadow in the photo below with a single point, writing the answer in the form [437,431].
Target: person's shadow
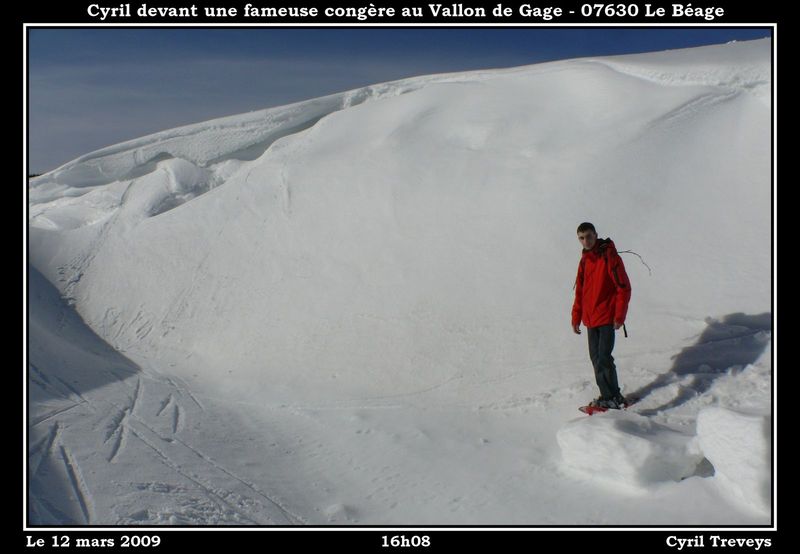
[727,344]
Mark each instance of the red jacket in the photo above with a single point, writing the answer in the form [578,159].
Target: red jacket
[602,288]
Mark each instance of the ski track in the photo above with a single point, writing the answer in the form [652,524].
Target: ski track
[176,418]
[38,372]
[54,413]
[49,441]
[292,518]
[136,395]
[72,390]
[78,485]
[166,460]
[185,391]
[119,433]
[128,420]
[43,382]
[164,403]
[116,422]
[540,400]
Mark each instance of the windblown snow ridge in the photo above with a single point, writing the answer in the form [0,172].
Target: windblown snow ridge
[177,165]
[209,152]
[238,137]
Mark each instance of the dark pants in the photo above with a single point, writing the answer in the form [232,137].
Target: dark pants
[601,343]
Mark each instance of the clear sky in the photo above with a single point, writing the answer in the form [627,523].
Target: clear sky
[93,87]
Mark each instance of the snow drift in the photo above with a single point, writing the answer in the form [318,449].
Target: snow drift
[410,247]
[628,449]
[739,445]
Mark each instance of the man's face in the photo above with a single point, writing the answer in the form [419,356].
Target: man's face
[587,239]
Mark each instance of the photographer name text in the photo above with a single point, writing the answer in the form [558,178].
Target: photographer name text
[716,541]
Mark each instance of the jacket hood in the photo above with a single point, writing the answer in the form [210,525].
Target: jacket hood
[601,246]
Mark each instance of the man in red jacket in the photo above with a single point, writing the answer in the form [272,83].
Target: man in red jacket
[602,293]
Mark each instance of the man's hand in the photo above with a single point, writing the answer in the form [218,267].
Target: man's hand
[576,329]
[617,325]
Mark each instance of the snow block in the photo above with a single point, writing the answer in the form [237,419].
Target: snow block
[738,445]
[627,449]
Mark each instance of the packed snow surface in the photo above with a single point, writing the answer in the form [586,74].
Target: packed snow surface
[739,446]
[355,309]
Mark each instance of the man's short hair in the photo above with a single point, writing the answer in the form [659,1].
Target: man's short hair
[586,226]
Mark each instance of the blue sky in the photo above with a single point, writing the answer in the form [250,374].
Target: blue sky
[90,88]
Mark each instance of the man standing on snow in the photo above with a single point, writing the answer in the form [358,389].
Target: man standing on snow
[602,293]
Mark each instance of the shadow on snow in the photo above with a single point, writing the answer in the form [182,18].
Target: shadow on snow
[730,343]
[66,360]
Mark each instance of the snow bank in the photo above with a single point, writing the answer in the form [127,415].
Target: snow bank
[627,450]
[344,248]
[212,144]
[739,446]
